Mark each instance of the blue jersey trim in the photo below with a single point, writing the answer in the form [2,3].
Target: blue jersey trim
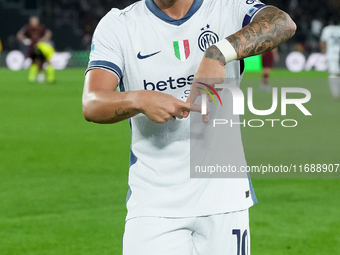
[252,192]
[251,14]
[129,193]
[160,14]
[105,65]
[121,86]
[133,160]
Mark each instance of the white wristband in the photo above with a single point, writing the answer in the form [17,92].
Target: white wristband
[227,50]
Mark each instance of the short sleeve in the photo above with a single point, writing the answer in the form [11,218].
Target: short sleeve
[106,51]
[245,11]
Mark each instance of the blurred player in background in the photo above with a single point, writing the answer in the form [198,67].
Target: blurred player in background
[35,36]
[268,60]
[153,50]
[330,45]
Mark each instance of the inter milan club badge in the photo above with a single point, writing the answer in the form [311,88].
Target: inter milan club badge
[207,38]
[182,49]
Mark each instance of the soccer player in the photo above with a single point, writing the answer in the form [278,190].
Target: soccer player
[32,34]
[330,45]
[268,60]
[153,50]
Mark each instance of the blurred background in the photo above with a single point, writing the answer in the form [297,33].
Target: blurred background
[73,22]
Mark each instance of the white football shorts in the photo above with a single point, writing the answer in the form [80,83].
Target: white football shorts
[222,234]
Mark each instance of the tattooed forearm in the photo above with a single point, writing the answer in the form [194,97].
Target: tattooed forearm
[214,53]
[270,28]
[120,113]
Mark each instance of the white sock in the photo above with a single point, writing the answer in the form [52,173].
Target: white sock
[334,85]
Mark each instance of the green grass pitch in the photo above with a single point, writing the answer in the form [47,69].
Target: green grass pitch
[63,181]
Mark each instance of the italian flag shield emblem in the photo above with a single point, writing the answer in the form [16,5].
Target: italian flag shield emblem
[182,49]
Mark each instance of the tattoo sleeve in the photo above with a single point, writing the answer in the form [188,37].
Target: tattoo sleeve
[270,28]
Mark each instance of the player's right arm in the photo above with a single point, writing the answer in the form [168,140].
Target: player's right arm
[323,39]
[103,104]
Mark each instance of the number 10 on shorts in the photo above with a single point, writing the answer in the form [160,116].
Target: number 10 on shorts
[242,242]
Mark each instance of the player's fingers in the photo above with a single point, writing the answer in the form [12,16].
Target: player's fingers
[169,118]
[193,95]
[191,107]
[211,87]
[205,118]
[185,114]
[179,114]
[182,112]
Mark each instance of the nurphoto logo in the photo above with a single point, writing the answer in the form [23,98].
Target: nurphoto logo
[239,103]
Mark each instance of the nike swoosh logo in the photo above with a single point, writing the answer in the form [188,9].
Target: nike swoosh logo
[146,56]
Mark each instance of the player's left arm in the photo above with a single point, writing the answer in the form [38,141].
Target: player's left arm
[270,28]
[323,46]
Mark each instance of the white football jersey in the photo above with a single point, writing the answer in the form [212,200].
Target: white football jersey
[331,35]
[148,50]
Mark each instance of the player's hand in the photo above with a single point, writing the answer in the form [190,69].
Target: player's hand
[209,73]
[160,107]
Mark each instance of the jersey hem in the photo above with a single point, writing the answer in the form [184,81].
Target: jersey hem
[103,68]
[105,65]
[149,213]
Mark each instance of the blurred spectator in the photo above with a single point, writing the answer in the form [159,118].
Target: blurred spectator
[268,61]
[82,17]
[32,35]
[330,45]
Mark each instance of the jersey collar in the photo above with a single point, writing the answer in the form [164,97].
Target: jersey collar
[161,15]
